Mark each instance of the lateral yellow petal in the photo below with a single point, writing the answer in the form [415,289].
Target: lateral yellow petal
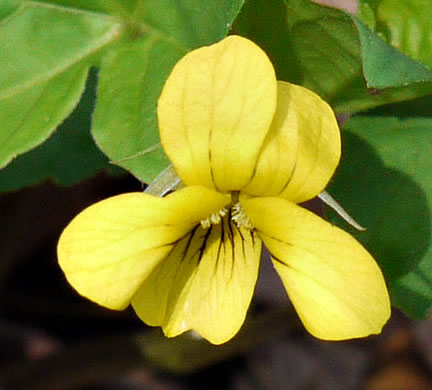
[319,145]
[205,284]
[277,158]
[335,285]
[109,249]
[214,112]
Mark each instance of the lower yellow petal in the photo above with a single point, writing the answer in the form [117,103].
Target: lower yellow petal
[335,285]
[109,249]
[206,283]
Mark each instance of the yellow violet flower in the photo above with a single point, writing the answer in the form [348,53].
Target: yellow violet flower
[247,148]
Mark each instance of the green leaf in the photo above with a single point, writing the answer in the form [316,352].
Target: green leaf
[385,66]
[94,5]
[60,38]
[67,157]
[366,14]
[133,73]
[43,67]
[29,117]
[189,23]
[332,53]
[404,24]
[124,122]
[384,183]
[265,22]
[7,7]
[120,8]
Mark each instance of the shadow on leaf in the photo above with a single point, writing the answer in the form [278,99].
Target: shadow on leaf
[395,211]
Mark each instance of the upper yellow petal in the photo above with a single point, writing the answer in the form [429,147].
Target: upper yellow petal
[335,285]
[214,113]
[318,144]
[277,158]
[205,284]
[109,249]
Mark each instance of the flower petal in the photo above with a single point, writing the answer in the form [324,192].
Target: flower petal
[205,284]
[277,158]
[214,112]
[335,285]
[318,145]
[109,249]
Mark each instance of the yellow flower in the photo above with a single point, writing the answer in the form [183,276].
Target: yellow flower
[247,148]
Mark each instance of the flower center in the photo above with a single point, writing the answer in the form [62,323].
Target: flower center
[239,217]
[236,213]
[214,218]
